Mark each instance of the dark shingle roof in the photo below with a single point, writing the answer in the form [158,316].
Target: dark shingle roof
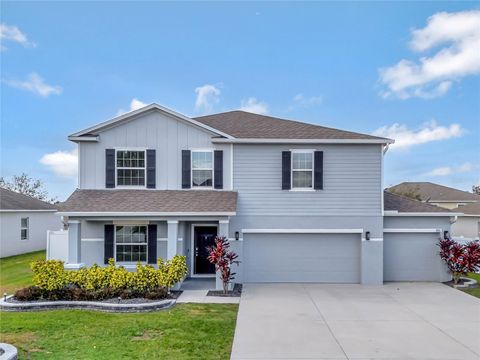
[241,124]
[434,192]
[155,201]
[470,209]
[404,204]
[11,200]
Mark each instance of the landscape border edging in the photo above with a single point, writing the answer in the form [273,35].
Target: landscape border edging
[85,305]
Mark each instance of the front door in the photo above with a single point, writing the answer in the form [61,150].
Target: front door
[204,237]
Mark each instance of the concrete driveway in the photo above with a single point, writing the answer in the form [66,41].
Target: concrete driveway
[327,321]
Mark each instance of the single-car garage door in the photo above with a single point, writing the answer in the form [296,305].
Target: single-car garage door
[328,258]
[411,257]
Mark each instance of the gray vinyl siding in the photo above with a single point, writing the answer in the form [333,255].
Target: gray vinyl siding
[417,222]
[167,135]
[352,182]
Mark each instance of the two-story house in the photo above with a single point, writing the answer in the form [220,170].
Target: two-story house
[299,202]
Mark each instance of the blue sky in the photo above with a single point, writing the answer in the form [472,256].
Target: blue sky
[402,69]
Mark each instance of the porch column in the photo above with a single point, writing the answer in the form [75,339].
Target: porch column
[74,245]
[222,231]
[223,228]
[172,237]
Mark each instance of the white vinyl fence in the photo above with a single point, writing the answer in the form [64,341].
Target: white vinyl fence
[57,245]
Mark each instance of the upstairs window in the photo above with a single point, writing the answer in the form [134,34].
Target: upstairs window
[130,168]
[24,228]
[302,169]
[202,168]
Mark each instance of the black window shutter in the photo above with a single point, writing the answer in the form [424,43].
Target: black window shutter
[151,169]
[108,243]
[218,169]
[318,170]
[286,169]
[186,169]
[109,168]
[152,244]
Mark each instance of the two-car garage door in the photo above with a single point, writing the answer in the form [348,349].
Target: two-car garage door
[328,258]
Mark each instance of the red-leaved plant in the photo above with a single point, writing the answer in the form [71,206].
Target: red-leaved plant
[460,258]
[223,258]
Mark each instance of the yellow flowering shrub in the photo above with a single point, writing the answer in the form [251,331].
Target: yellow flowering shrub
[49,274]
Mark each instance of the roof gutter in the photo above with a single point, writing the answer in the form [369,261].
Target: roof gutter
[301,141]
[396,213]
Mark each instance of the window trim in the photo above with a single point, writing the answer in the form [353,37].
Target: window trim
[144,150]
[115,245]
[302,151]
[193,187]
[27,228]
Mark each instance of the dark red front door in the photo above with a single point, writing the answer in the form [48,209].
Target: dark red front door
[204,237]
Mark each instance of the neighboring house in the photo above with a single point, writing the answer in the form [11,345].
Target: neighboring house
[24,222]
[435,194]
[299,202]
[466,225]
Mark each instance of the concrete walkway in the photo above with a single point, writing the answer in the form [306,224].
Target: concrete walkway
[327,321]
[195,291]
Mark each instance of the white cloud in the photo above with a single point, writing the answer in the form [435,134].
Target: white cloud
[14,34]
[135,104]
[301,100]
[448,170]
[432,76]
[253,105]
[207,97]
[62,163]
[427,132]
[36,85]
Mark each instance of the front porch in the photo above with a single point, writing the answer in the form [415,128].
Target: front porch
[145,240]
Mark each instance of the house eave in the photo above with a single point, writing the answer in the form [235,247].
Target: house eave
[301,141]
[144,214]
[83,138]
[415,214]
[79,135]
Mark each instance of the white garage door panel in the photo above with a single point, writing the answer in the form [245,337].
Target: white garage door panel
[331,258]
[411,257]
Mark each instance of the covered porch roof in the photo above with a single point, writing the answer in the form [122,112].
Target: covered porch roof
[128,203]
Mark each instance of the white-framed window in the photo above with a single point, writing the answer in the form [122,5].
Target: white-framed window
[302,169]
[24,231]
[202,168]
[131,243]
[130,167]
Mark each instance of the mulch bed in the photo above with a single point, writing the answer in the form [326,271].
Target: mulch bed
[173,295]
[236,292]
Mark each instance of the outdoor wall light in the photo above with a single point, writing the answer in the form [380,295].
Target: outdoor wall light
[237,235]
[446,235]
[367,235]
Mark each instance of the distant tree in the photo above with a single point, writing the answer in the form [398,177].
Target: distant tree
[26,185]
[476,189]
[411,193]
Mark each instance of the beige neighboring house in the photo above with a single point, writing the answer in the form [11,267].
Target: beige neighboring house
[24,222]
[466,226]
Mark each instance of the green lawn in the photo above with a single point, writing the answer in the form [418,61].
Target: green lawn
[475,292]
[187,331]
[15,271]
